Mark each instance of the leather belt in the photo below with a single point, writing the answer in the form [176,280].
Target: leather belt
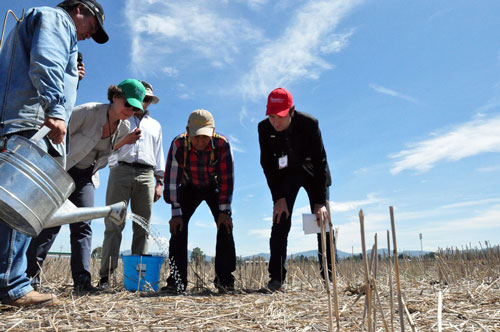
[135,165]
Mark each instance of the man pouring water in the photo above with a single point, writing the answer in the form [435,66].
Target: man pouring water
[38,80]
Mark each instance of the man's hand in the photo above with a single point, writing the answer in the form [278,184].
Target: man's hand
[57,131]
[226,220]
[321,213]
[176,224]
[81,71]
[132,137]
[158,191]
[280,207]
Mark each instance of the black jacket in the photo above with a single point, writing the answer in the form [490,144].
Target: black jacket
[303,145]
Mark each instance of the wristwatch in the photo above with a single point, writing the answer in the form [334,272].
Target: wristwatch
[228,212]
[159,181]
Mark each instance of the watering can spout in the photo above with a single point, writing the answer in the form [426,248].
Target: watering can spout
[68,213]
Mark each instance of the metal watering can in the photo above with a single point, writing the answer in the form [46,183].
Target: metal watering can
[34,189]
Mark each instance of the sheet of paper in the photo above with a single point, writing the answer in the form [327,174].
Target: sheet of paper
[309,224]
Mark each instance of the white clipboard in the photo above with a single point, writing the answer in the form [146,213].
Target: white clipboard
[310,225]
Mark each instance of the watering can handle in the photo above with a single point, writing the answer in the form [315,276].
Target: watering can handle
[40,134]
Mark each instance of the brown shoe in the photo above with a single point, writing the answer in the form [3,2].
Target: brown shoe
[34,298]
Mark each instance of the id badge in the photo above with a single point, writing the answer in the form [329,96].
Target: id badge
[283,162]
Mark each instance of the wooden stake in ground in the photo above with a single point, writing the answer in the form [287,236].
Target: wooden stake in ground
[374,265]
[396,270]
[365,265]
[389,273]
[333,250]
[325,271]
[440,311]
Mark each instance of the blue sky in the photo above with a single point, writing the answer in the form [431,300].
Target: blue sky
[407,94]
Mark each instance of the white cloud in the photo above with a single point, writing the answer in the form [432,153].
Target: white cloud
[202,224]
[195,28]
[159,220]
[345,206]
[295,55]
[170,71]
[487,219]
[472,203]
[336,43]
[489,169]
[255,4]
[235,144]
[477,136]
[260,233]
[336,207]
[390,92]
[354,205]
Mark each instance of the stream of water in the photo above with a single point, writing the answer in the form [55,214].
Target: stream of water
[162,243]
[153,233]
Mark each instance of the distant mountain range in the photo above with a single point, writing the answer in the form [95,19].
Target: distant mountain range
[340,254]
[310,253]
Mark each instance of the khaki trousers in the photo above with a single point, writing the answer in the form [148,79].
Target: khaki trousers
[137,186]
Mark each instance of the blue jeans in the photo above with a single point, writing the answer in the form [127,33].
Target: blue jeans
[14,283]
[81,234]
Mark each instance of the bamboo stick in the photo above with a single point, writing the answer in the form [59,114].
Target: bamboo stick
[440,311]
[410,320]
[389,273]
[325,271]
[333,250]
[370,269]
[374,278]
[365,265]
[377,296]
[396,270]
[140,274]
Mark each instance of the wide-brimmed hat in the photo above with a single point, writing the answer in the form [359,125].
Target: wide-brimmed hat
[100,36]
[149,92]
[201,122]
[279,102]
[134,92]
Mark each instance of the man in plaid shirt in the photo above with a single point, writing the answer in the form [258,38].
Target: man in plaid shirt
[200,168]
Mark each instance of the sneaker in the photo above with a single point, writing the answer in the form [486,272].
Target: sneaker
[171,289]
[274,285]
[85,287]
[35,298]
[103,283]
[224,289]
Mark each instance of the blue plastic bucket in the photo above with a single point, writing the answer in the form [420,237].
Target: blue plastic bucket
[141,273]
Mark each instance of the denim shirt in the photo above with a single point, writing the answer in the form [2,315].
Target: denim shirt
[38,69]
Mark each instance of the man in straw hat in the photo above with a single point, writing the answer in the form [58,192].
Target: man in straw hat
[38,80]
[292,156]
[200,168]
[140,163]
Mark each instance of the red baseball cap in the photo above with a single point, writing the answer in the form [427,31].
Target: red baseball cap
[279,102]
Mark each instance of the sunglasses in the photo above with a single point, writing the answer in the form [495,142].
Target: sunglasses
[147,99]
[127,105]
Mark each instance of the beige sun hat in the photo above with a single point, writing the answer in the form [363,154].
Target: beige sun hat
[149,92]
[201,122]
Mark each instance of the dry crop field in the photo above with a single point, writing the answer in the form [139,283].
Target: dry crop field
[468,282]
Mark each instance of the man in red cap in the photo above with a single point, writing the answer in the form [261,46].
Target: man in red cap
[292,156]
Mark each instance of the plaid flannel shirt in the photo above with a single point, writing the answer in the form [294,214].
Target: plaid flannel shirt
[200,168]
